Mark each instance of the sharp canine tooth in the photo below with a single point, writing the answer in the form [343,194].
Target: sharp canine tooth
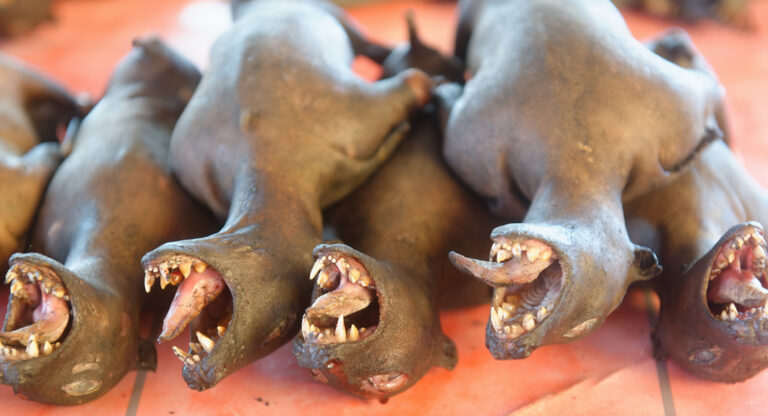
[32,349]
[732,312]
[341,331]
[186,268]
[304,327]
[316,268]
[495,321]
[10,276]
[532,254]
[47,348]
[503,255]
[149,280]
[353,333]
[206,342]
[182,355]
[200,266]
[528,322]
[163,281]
[516,250]
[220,329]
[541,314]
[16,287]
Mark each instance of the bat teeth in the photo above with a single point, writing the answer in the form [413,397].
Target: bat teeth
[11,276]
[180,354]
[732,312]
[513,331]
[220,330]
[495,320]
[503,255]
[354,335]
[149,280]
[206,342]
[528,322]
[354,275]
[316,268]
[517,250]
[541,314]
[305,327]
[47,348]
[341,332]
[186,268]
[32,348]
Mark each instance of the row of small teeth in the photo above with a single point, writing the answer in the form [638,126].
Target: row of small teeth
[513,328]
[199,349]
[728,254]
[339,334]
[165,271]
[33,349]
[353,274]
[501,252]
[21,274]
[731,313]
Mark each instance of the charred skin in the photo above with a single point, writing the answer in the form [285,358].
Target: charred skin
[20,16]
[405,218]
[32,108]
[713,258]
[561,131]
[732,12]
[109,202]
[279,129]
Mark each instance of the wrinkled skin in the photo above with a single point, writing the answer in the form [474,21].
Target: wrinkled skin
[566,116]
[109,202]
[732,12]
[404,255]
[279,129]
[20,16]
[31,109]
[691,223]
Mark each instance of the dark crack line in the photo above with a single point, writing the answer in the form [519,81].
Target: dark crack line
[661,364]
[138,388]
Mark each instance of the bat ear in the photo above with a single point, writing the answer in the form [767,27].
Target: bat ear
[446,353]
[147,355]
[645,265]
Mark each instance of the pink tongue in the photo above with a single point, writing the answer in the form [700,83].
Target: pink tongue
[193,294]
[347,299]
[51,318]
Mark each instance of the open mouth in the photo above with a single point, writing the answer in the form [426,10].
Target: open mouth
[39,311]
[347,306]
[202,301]
[536,276]
[737,288]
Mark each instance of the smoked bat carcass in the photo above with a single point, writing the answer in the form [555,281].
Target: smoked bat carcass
[707,227]
[71,331]
[32,108]
[732,12]
[565,117]
[279,128]
[373,328]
